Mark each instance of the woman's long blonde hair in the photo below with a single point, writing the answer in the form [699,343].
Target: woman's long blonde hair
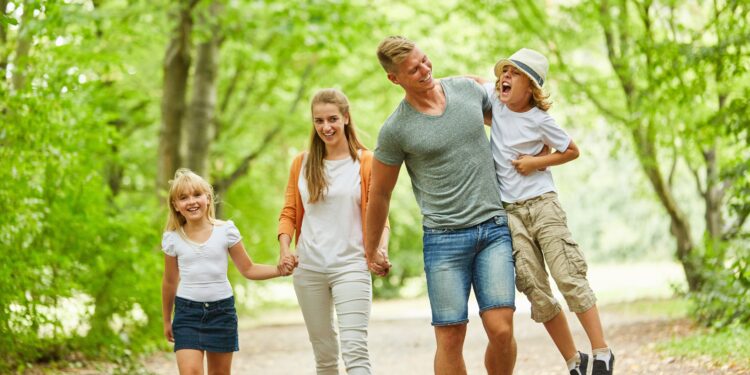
[314,167]
[187,182]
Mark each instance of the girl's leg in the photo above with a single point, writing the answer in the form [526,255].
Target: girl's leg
[314,297]
[352,296]
[219,363]
[190,361]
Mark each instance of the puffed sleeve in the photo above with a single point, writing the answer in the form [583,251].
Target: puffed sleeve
[167,244]
[233,234]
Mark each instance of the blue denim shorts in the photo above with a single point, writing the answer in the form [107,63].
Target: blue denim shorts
[209,326]
[456,259]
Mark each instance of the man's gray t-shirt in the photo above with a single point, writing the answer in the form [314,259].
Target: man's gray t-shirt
[448,157]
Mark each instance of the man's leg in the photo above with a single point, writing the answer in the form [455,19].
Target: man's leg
[495,290]
[500,356]
[449,357]
[448,258]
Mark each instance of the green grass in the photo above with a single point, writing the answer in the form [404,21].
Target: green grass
[730,345]
[727,346]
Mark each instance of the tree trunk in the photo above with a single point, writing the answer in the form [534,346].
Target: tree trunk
[3,39]
[203,104]
[23,46]
[679,225]
[176,69]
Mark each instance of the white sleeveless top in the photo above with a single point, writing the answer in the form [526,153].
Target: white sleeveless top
[203,267]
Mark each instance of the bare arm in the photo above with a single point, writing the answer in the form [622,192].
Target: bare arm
[383,180]
[168,291]
[250,270]
[527,164]
[285,254]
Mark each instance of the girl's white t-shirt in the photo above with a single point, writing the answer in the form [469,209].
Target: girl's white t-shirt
[522,133]
[203,267]
[331,236]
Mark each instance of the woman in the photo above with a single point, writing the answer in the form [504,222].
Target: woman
[328,188]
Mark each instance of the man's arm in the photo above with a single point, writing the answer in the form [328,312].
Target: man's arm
[382,182]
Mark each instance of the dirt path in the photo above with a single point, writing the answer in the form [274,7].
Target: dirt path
[402,342]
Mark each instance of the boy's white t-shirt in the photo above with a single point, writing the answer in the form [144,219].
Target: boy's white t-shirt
[331,236]
[203,267]
[515,134]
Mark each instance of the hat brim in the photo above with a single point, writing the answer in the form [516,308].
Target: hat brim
[505,62]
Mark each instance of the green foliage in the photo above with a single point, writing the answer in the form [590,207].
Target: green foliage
[724,297]
[726,347]
[78,141]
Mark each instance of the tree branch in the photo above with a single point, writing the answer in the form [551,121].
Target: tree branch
[224,183]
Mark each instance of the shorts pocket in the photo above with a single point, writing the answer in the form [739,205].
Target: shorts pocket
[574,255]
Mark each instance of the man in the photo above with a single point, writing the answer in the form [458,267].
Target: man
[438,132]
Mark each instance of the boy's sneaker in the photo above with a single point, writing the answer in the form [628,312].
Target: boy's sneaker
[583,366]
[603,368]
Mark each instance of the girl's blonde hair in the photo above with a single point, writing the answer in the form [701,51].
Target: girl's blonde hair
[538,98]
[314,166]
[187,182]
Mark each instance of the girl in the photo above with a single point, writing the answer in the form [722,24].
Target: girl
[328,188]
[195,277]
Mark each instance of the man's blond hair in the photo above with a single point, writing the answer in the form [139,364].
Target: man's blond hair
[393,50]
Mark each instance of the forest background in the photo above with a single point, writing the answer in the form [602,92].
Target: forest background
[100,102]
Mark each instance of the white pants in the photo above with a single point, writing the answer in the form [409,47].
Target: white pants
[351,293]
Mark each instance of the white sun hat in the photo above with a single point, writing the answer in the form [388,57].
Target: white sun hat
[531,62]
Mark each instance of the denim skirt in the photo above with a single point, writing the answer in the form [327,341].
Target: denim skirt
[208,326]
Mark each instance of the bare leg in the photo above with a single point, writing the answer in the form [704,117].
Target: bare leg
[219,363]
[593,327]
[559,331]
[500,356]
[190,361]
[449,356]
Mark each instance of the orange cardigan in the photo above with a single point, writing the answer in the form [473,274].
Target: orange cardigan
[290,220]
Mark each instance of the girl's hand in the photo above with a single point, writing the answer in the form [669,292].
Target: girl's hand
[168,331]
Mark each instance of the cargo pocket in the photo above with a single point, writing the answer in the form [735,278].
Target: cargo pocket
[576,262]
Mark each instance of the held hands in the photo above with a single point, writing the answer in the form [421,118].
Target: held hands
[379,263]
[287,263]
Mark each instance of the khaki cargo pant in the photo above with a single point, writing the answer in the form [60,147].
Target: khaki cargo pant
[540,235]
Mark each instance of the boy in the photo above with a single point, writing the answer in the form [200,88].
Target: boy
[521,127]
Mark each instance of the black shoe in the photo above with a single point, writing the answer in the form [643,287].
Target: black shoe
[582,366]
[603,368]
